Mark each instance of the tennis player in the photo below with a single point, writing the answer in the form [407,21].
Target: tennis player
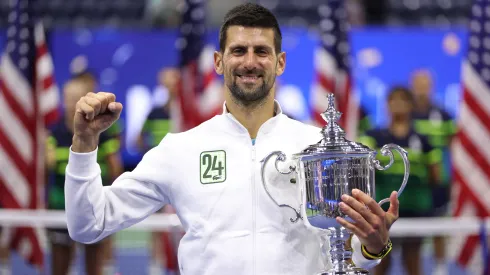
[211,173]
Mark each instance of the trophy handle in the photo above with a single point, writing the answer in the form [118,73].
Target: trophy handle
[386,150]
[280,157]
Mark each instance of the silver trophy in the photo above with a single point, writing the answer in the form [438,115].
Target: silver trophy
[325,171]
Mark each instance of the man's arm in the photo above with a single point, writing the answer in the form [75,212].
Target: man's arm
[111,147]
[50,153]
[94,212]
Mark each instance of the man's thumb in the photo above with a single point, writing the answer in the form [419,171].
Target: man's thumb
[394,204]
[115,107]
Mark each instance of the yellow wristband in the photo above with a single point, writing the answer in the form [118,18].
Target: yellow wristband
[381,255]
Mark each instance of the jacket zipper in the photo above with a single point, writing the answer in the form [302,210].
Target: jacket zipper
[254,203]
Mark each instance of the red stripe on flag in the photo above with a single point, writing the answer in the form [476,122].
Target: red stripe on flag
[47,83]
[50,117]
[28,233]
[209,77]
[17,160]
[468,250]
[470,196]
[42,49]
[327,82]
[467,196]
[461,199]
[475,107]
[344,91]
[7,199]
[188,96]
[169,251]
[475,154]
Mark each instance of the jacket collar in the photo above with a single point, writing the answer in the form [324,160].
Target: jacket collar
[277,108]
[237,127]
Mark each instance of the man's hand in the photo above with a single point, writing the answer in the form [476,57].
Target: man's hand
[371,223]
[49,152]
[94,114]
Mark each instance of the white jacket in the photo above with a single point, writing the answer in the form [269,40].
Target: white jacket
[232,226]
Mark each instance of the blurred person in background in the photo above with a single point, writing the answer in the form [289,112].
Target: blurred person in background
[364,122]
[98,257]
[416,200]
[158,124]
[159,121]
[437,125]
[5,268]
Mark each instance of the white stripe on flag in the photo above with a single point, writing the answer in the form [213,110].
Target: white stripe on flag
[475,265]
[48,100]
[25,247]
[478,89]
[7,232]
[473,175]
[17,85]
[211,99]
[44,67]
[340,85]
[15,132]
[456,243]
[206,60]
[475,130]
[352,117]
[14,181]
[39,37]
[324,64]
[42,237]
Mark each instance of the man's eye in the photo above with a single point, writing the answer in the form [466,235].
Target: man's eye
[238,51]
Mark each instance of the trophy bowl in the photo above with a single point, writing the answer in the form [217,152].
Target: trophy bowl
[325,171]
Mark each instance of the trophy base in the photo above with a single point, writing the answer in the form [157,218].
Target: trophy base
[350,271]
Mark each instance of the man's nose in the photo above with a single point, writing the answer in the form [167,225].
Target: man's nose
[250,60]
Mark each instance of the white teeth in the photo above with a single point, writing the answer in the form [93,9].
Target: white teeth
[249,77]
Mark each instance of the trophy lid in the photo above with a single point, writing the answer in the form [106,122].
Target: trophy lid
[334,141]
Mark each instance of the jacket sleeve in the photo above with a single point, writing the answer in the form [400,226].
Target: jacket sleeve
[95,211]
[358,259]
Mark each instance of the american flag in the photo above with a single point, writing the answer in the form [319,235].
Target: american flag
[201,93]
[332,68]
[470,150]
[28,99]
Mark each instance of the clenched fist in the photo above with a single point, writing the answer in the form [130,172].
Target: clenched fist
[94,113]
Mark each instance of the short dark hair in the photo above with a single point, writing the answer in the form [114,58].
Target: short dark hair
[250,15]
[399,89]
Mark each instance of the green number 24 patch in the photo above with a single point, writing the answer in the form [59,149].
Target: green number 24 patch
[213,166]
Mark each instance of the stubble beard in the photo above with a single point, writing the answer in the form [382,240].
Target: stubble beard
[250,98]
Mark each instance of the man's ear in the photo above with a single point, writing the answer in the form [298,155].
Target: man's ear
[281,63]
[218,62]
